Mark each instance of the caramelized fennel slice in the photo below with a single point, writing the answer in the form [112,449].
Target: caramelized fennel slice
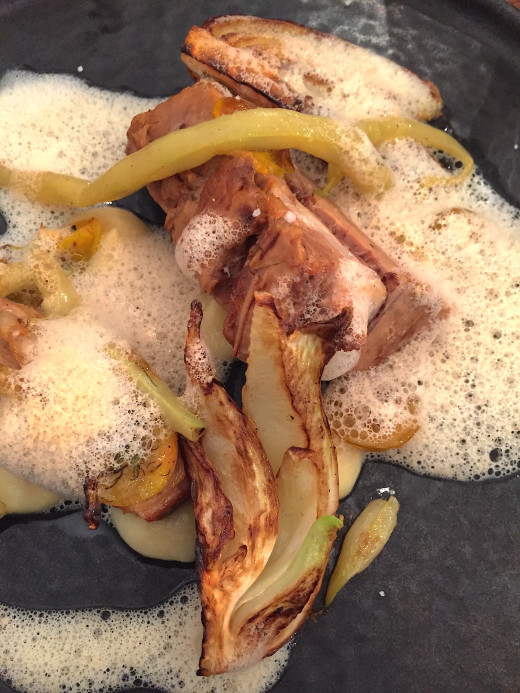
[280,600]
[266,398]
[273,62]
[296,483]
[235,501]
[350,460]
[270,620]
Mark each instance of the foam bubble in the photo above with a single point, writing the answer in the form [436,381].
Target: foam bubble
[336,78]
[132,293]
[203,239]
[136,288]
[52,122]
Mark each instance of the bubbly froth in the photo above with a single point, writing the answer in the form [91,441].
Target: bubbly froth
[108,649]
[133,293]
[465,242]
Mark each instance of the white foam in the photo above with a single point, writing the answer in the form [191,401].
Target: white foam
[136,288]
[466,242]
[464,379]
[132,292]
[108,649]
[203,239]
[343,80]
[53,122]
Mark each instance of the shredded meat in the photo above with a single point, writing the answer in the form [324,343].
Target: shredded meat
[232,196]
[312,277]
[177,195]
[408,309]
[323,272]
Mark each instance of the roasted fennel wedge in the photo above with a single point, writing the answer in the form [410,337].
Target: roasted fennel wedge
[263,544]
[235,503]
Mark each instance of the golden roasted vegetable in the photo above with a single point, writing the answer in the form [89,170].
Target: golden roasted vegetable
[135,483]
[273,62]
[363,542]
[350,461]
[281,599]
[282,395]
[84,240]
[266,397]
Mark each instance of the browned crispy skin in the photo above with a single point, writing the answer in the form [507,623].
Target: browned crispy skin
[207,56]
[214,50]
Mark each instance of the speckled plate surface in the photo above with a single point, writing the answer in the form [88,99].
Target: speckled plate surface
[439,610]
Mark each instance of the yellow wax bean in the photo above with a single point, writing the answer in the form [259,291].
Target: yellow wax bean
[260,129]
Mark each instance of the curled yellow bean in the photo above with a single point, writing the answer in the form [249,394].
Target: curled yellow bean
[380,130]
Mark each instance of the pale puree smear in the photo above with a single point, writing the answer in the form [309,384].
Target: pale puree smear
[461,376]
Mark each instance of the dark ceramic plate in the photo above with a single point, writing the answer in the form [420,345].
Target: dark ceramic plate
[449,617]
